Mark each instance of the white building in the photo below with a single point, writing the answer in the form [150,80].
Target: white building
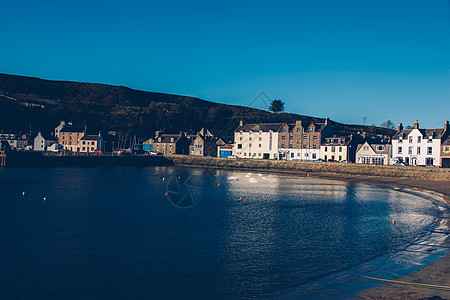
[43,142]
[421,147]
[374,154]
[258,141]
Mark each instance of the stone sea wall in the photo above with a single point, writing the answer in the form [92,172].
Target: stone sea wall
[347,169]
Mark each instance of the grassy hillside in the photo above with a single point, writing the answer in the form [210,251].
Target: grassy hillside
[41,104]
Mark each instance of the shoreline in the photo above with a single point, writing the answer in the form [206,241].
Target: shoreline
[436,273]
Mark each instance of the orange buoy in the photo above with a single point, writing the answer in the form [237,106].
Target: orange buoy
[167,194]
[240,198]
[393,222]
[314,196]
[218,184]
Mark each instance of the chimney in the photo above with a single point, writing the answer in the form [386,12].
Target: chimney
[326,121]
[416,124]
[298,123]
[400,127]
[364,135]
[241,123]
[445,126]
[157,133]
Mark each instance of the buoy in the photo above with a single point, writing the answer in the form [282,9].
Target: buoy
[23,193]
[314,196]
[45,198]
[167,194]
[240,198]
[393,222]
[218,184]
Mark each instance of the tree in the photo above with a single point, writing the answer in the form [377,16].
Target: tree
[277,106]
[388,124]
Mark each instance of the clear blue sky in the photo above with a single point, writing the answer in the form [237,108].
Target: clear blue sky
[384,59]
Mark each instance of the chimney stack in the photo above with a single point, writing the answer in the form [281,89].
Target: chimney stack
[445,126]
[241,123]
[400,127]
[416,124]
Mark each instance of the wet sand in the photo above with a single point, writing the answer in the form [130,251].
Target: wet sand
[436,274]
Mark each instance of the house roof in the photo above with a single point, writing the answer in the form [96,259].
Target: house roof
[387,148]
[90,137]
[71,128]
[446,141]
[167,138]
[264,127]
[47,137]
[434,132]
[334,141]
[227,146]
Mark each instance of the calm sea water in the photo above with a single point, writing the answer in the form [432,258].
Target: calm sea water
[134,233]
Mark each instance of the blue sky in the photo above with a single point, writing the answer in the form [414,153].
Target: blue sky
[340,59]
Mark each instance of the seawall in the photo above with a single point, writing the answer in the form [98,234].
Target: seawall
[322,168]
[36,159]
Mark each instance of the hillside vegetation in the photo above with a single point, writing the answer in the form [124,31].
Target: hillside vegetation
[40,104]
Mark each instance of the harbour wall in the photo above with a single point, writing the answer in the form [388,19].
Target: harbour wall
[324,168]
[36,159]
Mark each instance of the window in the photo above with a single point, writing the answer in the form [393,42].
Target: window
[291,137]
[298,154]
[283,137]
[170,145]
[419,139]
[92,148]
[340,149]
[304,146]
[245,154]
[430,150]
[315,137]
[239,146]
[410,139]
[399,150]
[250,145]
[430,140]
[285,129]
[340,157]
[314,146]
[159,139]
[407,160]
[304,137]
[260,145]
[292,155]
[260,138]
[378,160]
[325,158]
[298,130]
[326,148]
[282,145]
[240,138]
[290,145]
[250,138]
[311,129]
[380,148]
[83,148]
[418,150]
[84,143]
[410,150]
[447,149]
[366,147]
[429,161]
[313,156]
[333,149]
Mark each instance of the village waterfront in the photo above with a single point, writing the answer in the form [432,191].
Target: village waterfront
[114,233]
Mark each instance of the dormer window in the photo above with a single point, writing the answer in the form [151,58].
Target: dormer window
[159,139]
[311,129]
[171,140]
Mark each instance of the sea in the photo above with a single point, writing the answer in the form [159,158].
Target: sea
[190,233]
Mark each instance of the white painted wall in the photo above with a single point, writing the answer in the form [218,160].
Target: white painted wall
[255,144]
[414,157]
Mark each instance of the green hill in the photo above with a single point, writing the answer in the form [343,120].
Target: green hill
[40,104]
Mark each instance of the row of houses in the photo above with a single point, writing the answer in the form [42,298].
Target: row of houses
[67,137]
[314,141]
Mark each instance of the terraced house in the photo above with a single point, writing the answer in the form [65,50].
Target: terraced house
[258,141]
[299,142]
[421,147]
[70,136]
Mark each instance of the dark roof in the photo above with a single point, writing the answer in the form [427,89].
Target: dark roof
[166,138]
[71,128]
[90,137]
[345,140]
[227,146]
[434,132]
[264,127]
[47,137]
[446,141]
